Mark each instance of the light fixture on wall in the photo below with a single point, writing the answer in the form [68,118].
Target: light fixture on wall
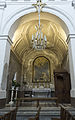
[39,40]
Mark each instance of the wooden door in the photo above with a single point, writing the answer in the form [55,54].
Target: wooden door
[62,86]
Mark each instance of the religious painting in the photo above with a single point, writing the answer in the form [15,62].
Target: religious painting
[41,70]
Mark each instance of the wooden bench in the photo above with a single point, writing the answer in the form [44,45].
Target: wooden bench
[20,100]
[13,114]
[37,115]
[8,115]
[1,118]
[67,113]
[55,119]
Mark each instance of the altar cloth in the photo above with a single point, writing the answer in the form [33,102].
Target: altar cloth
[41,92]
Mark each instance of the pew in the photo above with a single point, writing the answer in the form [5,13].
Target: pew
[37,115]
[10,114]
[67,113]
[13,114]
[55,119]
[7,116]
[20,100]
[1,118]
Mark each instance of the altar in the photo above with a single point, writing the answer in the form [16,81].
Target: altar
[41,92]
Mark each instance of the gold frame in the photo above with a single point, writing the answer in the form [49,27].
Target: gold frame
[33,79]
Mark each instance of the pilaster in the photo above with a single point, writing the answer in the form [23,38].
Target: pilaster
[71,50]
[5,44]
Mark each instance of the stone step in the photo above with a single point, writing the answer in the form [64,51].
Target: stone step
[44,111]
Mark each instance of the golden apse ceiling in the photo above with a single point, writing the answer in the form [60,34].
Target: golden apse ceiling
[53,28]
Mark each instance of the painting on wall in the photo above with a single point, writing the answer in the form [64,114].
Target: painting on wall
[41,70]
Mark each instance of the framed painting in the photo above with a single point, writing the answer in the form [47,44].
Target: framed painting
[41,70]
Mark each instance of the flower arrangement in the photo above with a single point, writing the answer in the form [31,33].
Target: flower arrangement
[16,84]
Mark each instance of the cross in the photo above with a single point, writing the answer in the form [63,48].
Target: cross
[39,5]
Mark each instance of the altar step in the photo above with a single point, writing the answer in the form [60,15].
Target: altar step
[46,113]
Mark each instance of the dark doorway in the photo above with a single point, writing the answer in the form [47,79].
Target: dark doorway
[62,86]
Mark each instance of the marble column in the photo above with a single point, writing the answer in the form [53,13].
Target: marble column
[5,44]
[71,50]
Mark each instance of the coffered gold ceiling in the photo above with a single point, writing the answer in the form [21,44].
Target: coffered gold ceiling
[52,28]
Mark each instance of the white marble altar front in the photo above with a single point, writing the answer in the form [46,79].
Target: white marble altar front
[41,92]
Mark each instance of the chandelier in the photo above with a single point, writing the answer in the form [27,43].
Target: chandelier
[39,40]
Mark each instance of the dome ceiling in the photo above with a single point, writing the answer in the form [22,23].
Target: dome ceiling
[56,38]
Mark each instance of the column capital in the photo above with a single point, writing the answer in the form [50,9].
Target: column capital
[2,4]
[6,37]
[70,36]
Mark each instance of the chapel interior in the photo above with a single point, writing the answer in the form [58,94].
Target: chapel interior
[39,73]
[39,69]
